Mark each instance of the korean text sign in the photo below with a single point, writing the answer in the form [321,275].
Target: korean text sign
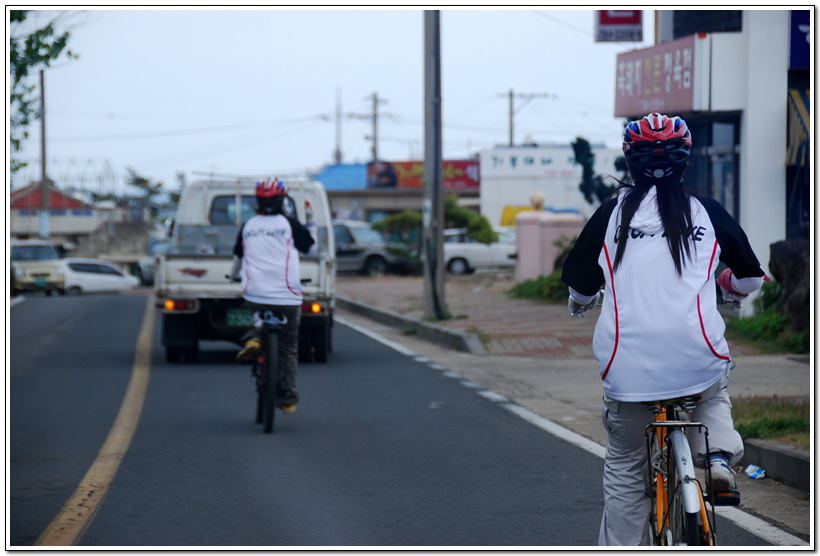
[656,79]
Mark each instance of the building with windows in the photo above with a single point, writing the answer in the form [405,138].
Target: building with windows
[741,80]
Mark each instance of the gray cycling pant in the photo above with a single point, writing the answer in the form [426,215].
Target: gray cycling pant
[626,504]
[288,346]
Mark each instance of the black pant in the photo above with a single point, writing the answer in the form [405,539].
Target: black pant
[288,346]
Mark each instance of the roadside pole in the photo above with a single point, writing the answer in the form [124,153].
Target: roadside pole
[433,209]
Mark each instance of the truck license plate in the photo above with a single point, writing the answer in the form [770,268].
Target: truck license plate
[239,317]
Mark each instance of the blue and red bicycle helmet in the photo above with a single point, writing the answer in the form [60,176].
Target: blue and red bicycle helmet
[657,146]
[270,188]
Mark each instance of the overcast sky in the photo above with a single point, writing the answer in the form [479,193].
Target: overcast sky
[254,92]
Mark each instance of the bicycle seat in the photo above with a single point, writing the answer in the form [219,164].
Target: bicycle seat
[273,321]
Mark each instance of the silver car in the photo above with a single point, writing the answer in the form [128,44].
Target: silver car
[361,249]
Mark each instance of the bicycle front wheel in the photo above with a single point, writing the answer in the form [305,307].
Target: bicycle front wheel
[271,380]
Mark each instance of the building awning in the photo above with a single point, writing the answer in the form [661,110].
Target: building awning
[798,140]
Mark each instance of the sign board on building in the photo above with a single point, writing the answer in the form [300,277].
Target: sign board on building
[458,174]
[661,78]
[800,51]
[618,25]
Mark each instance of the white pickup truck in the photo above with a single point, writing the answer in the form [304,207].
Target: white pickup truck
[196,299]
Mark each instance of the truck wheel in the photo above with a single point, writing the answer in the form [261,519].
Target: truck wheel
[321,343]
[305,344]
[173,354]
[191,353]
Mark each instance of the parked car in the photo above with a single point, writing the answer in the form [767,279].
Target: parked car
[464,254]
[147,266]
[93,275]
[36,267]
[361,249]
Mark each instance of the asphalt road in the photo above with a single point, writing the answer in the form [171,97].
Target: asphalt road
[384,450]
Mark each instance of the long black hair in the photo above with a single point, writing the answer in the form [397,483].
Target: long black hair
[675,213]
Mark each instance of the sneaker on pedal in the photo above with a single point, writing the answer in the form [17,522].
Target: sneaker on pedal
[249,352]
[724,487]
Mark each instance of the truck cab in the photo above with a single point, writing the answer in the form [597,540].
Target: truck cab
[193,294]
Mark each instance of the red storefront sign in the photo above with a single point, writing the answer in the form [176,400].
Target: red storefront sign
[458,174]
[656,79]
[618,25]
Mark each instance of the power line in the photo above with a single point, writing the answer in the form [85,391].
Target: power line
[195,131]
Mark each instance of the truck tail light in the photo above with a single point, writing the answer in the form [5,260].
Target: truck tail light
[313,308]
[180,305]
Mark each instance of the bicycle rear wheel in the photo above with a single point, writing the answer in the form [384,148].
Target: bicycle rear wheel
[686,523]
[271,380]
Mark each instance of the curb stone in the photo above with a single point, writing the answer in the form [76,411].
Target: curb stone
[453,339]
[786,464]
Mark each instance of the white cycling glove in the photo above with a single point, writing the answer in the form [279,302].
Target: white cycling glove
[579,308]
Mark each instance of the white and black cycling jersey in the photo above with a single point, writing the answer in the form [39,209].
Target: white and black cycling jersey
[268,247]
[659,334]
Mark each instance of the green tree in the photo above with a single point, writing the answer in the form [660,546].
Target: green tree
[477,225]
[28,50]
[592,186]
[149,190]
[405,223]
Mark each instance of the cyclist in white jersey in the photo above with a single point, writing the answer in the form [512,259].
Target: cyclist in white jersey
[266,259]
[657,247]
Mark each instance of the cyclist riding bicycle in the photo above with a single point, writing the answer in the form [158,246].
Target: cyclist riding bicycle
[267,262]
[656,247]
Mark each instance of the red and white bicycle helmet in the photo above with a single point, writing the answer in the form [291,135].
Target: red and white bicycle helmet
[267,189]
[657,146]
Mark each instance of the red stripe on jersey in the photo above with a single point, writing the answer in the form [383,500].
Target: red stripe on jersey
[615,302]
[700,314]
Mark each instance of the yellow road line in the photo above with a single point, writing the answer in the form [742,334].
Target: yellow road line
[76,516]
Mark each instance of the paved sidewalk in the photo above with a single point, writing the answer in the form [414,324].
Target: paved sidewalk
[541,359]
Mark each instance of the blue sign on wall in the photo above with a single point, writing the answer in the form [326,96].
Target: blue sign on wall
[800,36]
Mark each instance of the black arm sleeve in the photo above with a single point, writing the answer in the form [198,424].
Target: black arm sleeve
[735,249]
[302,239]
[581,270]
[238,248]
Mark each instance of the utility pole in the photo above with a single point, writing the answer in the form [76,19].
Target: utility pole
[374,117]
[433,208]
[375,149]
[44,181]
[337,156]
[527,98]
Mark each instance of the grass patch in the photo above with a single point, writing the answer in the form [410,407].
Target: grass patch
[483,337]
[544,288]
[767,330]
[785,420]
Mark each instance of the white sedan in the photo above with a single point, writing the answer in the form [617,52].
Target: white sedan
[93,275]
[463,254]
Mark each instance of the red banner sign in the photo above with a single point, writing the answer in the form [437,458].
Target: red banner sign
[458,174]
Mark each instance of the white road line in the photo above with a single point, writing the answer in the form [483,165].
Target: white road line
[401,349]
[557,430]
[16,301]
[754,525]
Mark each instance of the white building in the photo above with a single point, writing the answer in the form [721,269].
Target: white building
[511,175]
